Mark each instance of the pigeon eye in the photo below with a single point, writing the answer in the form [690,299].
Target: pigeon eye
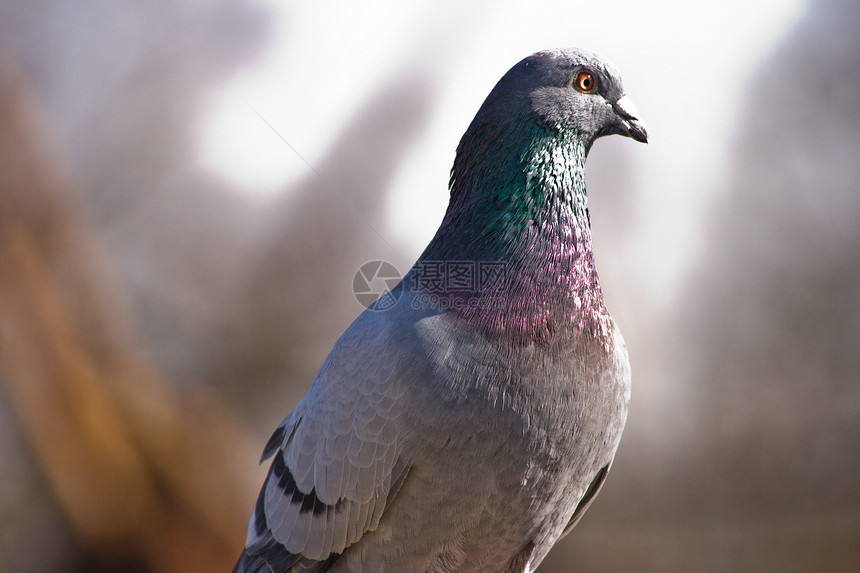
[585,82]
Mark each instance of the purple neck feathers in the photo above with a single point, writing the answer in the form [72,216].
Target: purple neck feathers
[513,256]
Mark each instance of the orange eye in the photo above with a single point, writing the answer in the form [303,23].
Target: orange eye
[585,82]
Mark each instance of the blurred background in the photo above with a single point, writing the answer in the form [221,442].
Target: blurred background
[187,189]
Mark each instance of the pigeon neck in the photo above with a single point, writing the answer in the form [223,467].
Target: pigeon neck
[519,207]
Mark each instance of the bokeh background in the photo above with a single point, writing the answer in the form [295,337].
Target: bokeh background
[187,189]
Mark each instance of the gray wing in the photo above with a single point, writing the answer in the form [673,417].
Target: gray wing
[586,499]
[337,463]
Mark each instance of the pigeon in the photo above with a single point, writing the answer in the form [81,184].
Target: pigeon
[465,421]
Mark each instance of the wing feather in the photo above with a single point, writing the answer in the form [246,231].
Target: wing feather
[337,464]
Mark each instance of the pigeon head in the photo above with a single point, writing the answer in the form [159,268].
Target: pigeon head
[575,90]
[535,128]
[518,193]
[572,91]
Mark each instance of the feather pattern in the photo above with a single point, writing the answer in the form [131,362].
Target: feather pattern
[334,459]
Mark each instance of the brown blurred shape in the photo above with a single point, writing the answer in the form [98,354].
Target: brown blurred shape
[148,478]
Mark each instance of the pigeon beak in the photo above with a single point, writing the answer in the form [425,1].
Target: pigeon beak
[630,124]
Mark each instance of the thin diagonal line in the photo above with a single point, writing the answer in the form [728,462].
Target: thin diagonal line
[323,179]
